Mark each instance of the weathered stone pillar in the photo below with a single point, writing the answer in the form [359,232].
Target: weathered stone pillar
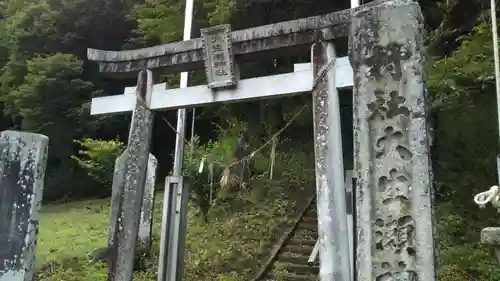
[135,163]
[146,222]
[394,194]
[23,157]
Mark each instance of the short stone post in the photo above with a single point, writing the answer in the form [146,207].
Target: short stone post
[23,157]
[491,236]
[146,222]
[135,162]
[395,239]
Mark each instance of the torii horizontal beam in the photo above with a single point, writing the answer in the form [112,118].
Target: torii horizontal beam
[187,55]
[299,81]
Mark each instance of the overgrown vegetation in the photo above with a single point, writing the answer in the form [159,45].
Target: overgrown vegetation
[464,108]
[226,242]
[98,158]
[71,231]
[46,85]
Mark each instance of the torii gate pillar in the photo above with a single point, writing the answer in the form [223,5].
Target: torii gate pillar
[334,256]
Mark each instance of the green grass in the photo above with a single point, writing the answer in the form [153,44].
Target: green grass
[231,246]
[71,229]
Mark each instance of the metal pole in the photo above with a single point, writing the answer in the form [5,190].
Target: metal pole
[168,201]
[179,142]
[173,235]
[497,68]
[170,264]
[192,130]
[495,55]
[181,113]
[177,231]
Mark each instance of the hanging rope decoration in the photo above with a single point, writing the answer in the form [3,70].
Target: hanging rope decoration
[272,156]
[211,180]
[323,71]
[202,163]
[237,176]
[491,196]
[191,140]
[242,173]
[226,177]
[210,175]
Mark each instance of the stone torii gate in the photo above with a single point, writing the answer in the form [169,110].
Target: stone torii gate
[395,231]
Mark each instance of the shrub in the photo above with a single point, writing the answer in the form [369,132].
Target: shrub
[98,158]
[216,155]
[293,168]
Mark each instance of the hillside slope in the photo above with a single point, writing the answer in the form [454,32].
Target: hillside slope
[229,247]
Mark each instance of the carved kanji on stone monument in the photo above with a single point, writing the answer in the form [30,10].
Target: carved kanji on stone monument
[218,56]
[391,147]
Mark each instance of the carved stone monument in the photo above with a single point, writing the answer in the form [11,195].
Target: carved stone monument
[23,157]
[218,56]
[394,193]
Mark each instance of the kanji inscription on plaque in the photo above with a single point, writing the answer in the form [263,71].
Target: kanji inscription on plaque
[218,57]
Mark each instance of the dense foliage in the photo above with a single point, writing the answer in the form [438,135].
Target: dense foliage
[46,85]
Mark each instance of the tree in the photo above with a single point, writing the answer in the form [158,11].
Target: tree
[45,82]
[51,101]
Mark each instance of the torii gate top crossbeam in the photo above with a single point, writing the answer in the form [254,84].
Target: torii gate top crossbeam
[187,55]
[299,81]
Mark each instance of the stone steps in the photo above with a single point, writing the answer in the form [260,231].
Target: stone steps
[291,264]
[290,277]
[302,242]
[301,250]
[293,258]
[302,269]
